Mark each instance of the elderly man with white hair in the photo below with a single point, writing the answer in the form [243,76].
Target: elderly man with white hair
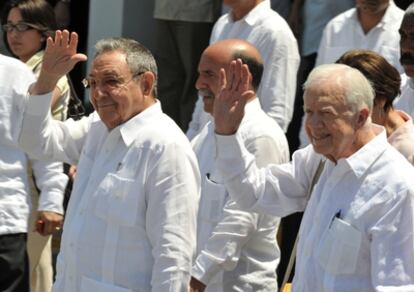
[357,230]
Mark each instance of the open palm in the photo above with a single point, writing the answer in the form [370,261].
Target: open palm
[60,55]
[235,91]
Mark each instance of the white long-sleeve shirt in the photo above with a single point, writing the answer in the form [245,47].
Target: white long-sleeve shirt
[271,35]
[357,232]
[406,100]
[15,78]
[344,33]
[237,250]
[131,219]
[402,138]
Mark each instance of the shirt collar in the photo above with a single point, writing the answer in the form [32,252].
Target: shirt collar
[410,82]
[130,129]
[255,14]
[386,20]
[252,106]
[389,17]
[35,60]
[361,160]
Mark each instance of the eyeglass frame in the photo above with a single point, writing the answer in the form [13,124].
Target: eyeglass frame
[86,83]
[9,27]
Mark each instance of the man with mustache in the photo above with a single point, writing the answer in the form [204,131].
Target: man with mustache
[406,101]
[234,246]
[131,220]
[255,22]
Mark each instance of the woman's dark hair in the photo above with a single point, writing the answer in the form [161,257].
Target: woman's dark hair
[38,13]
[384,78]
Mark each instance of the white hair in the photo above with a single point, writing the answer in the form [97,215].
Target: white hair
[358,91]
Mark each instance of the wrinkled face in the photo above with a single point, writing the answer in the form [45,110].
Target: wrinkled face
[407,45]
[115,93]
[372,6]
[22,44]
[208,81]
[329,122]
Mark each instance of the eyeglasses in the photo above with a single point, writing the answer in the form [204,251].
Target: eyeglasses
[108,83]
[20,27]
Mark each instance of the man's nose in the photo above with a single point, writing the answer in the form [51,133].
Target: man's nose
[200,83]
[314,120]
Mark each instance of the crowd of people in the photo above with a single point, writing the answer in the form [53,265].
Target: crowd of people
[191,156]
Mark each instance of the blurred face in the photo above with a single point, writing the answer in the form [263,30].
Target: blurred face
[407,45]
[330,124]
[208,81]
[22,44]
[115,93]
[372,6]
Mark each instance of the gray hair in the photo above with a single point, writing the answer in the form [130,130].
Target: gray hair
[358,90]
[409,11]
[138,57]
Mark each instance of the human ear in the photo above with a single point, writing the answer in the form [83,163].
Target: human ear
[147,83]
[363,116]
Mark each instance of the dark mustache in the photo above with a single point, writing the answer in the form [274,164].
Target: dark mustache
[407,59]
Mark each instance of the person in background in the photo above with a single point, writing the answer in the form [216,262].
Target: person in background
[131,219]
[26,25]
[406,101]
[182,30]
[357,231]
[386,82]
[255,22]
[236,250]
[371,24]
[15,77]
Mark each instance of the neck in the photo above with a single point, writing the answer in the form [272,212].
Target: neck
[392,122]
[369,20]
[241,9]
[363,137]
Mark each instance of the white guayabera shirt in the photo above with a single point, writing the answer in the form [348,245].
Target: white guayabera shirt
[15,77]
[131,220]
[237,250]
[357,232]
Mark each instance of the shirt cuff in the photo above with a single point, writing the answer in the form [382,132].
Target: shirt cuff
[205,269]
[52,201]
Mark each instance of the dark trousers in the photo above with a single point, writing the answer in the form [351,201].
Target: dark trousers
[14,265]
[178,47]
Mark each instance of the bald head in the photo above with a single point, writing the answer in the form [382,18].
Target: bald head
[219,55]
[225,51]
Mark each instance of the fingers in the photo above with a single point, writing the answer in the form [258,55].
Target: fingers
[48,222]
[223,79]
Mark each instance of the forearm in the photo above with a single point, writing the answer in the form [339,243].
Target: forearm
[273,190]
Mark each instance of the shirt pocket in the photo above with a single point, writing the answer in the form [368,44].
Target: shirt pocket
[213,199]
[117,201]
[88,285]
[339,248]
